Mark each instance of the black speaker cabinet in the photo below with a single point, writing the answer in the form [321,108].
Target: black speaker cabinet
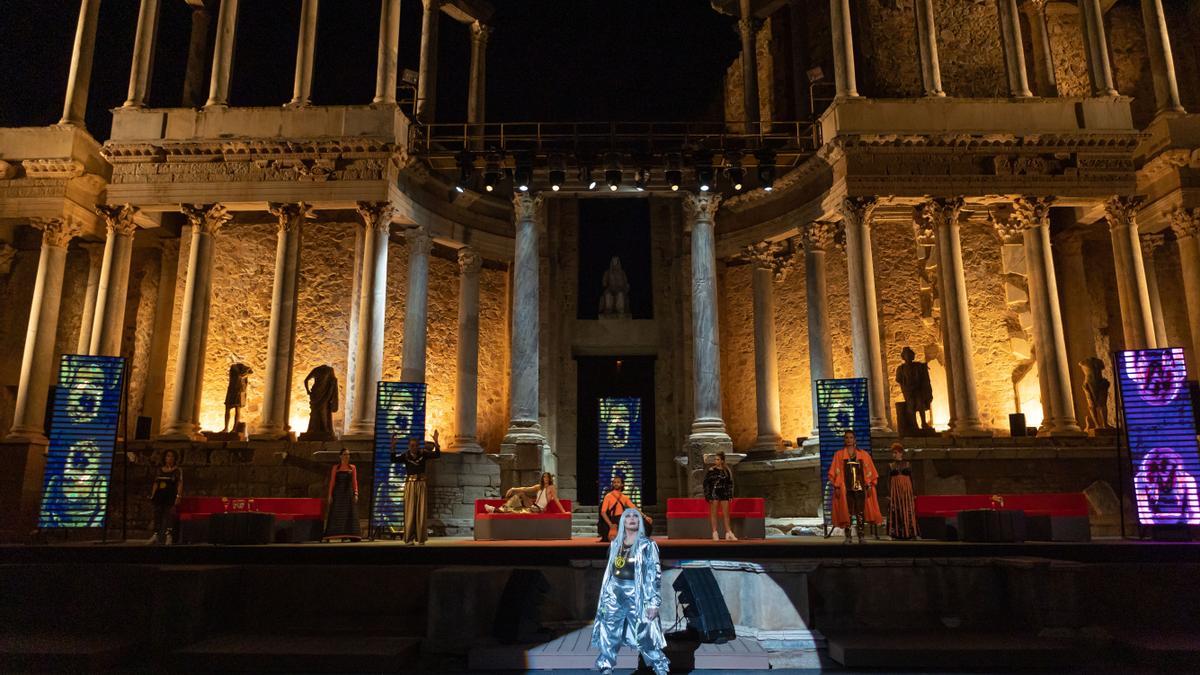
[519,614]
[704,606]
[142,431]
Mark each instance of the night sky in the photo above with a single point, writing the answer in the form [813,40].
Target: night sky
[548,60]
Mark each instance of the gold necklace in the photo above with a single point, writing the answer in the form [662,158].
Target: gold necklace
[619,562]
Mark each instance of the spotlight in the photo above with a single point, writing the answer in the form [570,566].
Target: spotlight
[557,172]
[523,173]
[704,176]
[613,178]
[737,177]
[491,173]
[766,169]
[674,175]
[587,177]
[465,169]
[641,177]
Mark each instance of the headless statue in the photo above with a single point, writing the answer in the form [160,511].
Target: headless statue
[235,394]
[614,302]
[1095,389]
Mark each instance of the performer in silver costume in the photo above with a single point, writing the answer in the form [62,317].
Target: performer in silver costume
[630,596]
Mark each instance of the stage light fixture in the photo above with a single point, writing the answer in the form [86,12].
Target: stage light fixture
[734,170]
[557,172]
[613,178]
[492,173]
[674,173]
[587,176]
[766,169]
[523,172]
[704,176]
[466,168]
[641,177]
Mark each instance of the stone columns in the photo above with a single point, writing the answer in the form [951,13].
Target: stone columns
[37,362]
[1076,310]
[1095,43]
[302,87]
[372,302]
[427,79]
[80,77]
[1186,224]
[183,422]
[281,346]
[108,323]
[1043,54]
[1014,48]
[1136,317]
[389,46]
[1162,63]
[931,69]
[843,49]
[193,82]
[466,390]
[1032,215]
[943,216]
[1150,244]
[143,54]
[222,60]
[477,87]
[864,311]
[416,305]
[768,268]
[95,251]
[818,238]
[747,29]
[523,425]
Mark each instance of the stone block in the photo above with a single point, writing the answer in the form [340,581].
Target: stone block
[476,480]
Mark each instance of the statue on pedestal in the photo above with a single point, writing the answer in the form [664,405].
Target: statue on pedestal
[322,387]
[913,378]
[235,395]
[1095,388]
[614,302]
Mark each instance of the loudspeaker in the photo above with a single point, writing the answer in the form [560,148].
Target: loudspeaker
[519,614]
[704,606]
[1016,424]
[142,430]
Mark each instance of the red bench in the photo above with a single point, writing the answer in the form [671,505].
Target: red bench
[687,518]
[296,519]
[549,524]
[1048,516]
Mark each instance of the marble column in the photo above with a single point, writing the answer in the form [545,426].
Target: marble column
[427,79]
[1136,317]
[927,49]
[466,390]
[1014,48]
[95,251]
[1095,43]
[388,56]
[80,77]
[1162,62]
[183,421]
[352,338]
[108,322]
[864,310]
[925,235]
[843,49]
[1151,243]
[193,81]
[1032,216]
[305,45]
[477,86]
[143,54]
[1076,310]
[416,305]
[768,268]
[222,60]
[275,422]
[943,215]
[1044,77]
[372,304]
[818,238]
[523,425]
[37,361]
[1186,224]
[747,30]
[798,51]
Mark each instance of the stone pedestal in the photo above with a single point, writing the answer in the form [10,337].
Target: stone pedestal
[456,480]
[521,466]
[20,489]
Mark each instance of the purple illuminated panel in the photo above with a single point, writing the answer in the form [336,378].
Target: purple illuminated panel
[1161,432]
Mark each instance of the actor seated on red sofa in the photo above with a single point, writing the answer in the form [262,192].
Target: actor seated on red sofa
[532,499]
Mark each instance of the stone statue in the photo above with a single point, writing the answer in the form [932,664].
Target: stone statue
[235,394]
[614,303]
[1095,388]
[913,378]
[322,387]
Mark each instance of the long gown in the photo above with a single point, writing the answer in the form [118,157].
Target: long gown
[342,521]
[902,506]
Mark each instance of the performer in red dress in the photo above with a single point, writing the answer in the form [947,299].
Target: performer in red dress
[853,477]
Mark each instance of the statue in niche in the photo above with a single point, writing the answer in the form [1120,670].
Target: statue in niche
[913,378]
[1095,389]
[322,387]
[235,395]
[614,303]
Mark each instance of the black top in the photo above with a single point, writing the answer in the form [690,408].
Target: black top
[623,567]
[166,486]
[415,465]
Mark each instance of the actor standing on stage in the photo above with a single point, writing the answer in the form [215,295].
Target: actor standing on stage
[902,504]
[630,595]
[165,495]
[612,506]
[853,477]
[341,522]
[415,495]
[718,491]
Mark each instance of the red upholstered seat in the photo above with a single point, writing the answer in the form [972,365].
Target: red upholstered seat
[1049,504]
[551,512]
[293,508]
[197,508]
[739,507]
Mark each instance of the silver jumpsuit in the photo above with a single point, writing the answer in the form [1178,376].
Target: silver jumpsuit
[621,611]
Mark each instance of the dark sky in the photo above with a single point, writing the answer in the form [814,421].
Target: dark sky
[548,60]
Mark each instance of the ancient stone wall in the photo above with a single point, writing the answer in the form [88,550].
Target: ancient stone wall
[1066,43]
[16,293]
[1131,66]
[139,328]
[791,339]
[972,55]
[889,45]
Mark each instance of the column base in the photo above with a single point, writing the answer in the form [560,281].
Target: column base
[182,431]
[362,430]
[28,435]
[884,431]
[466,444]
[1063,430]
[768,443]
[273,435]
[971,430]
[522,432]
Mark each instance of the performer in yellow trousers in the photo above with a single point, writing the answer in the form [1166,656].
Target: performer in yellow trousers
[415,494]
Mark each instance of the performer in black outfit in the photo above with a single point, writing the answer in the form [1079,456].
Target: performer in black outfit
[342,519]
[168,488]
[415,495]
[718,491]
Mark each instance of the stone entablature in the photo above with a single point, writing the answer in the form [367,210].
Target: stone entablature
[1169,168]
[52,172]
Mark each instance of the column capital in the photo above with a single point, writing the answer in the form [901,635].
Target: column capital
[859,210]
[1032,6]
[481,32]
[57,232]
[376,215]
[7,254]
[1151,243]
[1008,225]
[432,5]
[820,235]
[119,218]
[1185,222]
[940,211]
[418,240]
[700,206]
[749,25]
[207,218]
[527,206]
[1030,212]
[1121,211]
[291,215]
[469,261]
[771,256]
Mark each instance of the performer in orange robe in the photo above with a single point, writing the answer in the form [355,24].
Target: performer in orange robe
[842,510]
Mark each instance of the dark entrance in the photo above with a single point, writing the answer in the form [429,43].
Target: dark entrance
[601,376]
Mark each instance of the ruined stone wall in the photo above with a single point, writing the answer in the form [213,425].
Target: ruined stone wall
[791,339]
[993,358]
[772,92]
[890,47]
[1066,43]
[16,293]
[736,317]
[972,55]
[1131,66]
[139,327]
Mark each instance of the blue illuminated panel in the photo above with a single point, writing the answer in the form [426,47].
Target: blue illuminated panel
[621,445]
[1161,433]
[86,413]
[399,416]
[842,405]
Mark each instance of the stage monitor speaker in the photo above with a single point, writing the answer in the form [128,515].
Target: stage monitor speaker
[142,430]
[519,614]
[704,606]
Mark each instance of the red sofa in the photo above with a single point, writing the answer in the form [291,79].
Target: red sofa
[549,524]
[296,519]
[1048,516]
[687,518]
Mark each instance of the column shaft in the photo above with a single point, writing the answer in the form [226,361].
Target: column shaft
[108,323]
[427,79]
[1186,224]
[1044,77]
[927,48]
[523,426]
[864,310]
[416,306]
[706,348]
[466,390]
[1150,244]
[372,303]
[1076,312]
[843,48]
[80,77]
[766,364]
[352,341]
[1136,317]
[1162,62]
[222,63]
[193,82]
[477,86]
[388,55]
[818,238]
[1014,48]
[275,422]
[305,45]
[747,31]
[1096,48]
[95,251]
[143,54]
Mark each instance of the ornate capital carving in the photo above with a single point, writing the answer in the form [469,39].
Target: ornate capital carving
[418,240]
[7,254]
[819,235]
[57,232]
[1034,6]
[432,5]
[376,215]
[859,211]
[206,218]
[1185,222]
[771,256]
[119,218]
[469,262]
[749,25]
[1030,212]
[938,212]
[290,216]
[700,206]
[480,32]
[1008,225]
[527,207]
[1151,243]
[1122,211]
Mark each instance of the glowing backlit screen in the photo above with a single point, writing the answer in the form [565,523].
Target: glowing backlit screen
[842,405]
[1161,434]
[86,412]
[621,445]
[399,416]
